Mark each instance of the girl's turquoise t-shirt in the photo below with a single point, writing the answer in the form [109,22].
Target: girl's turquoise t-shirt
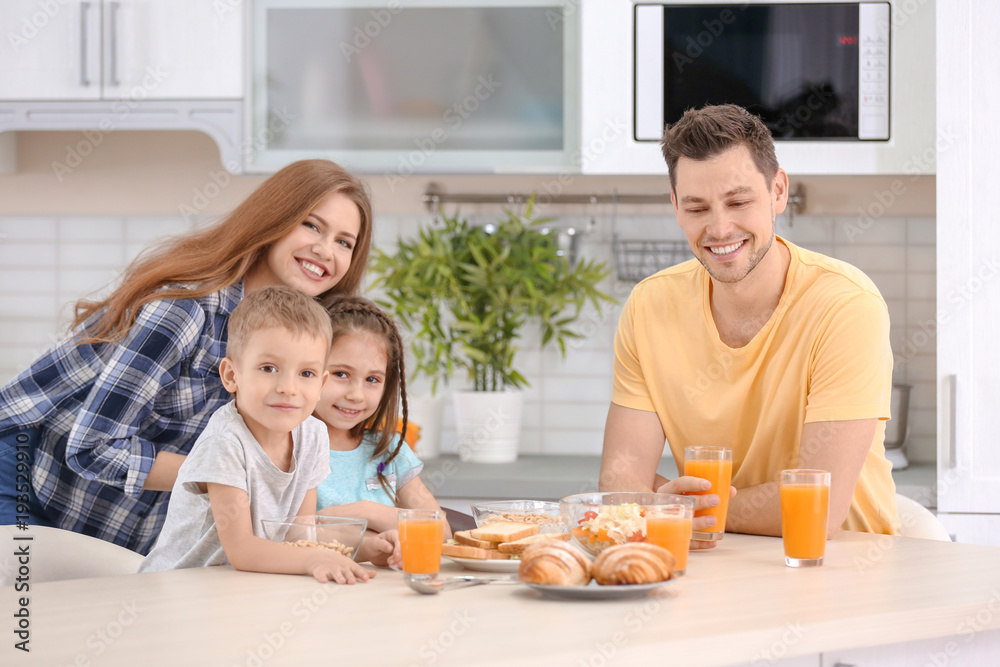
[354,474]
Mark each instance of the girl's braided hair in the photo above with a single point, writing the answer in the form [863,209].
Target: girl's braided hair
[355,314]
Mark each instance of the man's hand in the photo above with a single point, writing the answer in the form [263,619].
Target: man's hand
[633,444]
[692,485]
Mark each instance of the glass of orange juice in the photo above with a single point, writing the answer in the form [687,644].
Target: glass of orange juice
[805,505]
[716,465]
[421,534]
[669,526]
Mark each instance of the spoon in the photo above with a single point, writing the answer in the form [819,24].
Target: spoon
[433,584]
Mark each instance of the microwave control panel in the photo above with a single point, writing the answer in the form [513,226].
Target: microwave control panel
[873,89]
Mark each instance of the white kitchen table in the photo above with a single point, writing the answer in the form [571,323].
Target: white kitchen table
[738,604]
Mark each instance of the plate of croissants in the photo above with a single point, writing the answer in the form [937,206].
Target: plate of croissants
[559,569]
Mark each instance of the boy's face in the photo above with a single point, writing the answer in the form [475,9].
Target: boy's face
[277,379]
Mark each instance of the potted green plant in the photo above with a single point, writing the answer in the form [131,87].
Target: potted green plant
[465,294]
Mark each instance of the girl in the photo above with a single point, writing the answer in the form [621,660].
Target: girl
[372,471]
[93,432]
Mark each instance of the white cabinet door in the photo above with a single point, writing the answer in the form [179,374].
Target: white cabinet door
[970,646]
[121,49]
[51,50]
[173,49]
[423,85]
[771,661]
[968,258]
[981,529]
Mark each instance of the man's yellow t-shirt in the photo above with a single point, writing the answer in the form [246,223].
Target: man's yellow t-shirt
[824,355]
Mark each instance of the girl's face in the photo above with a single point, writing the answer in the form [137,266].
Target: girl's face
[314,256]
[357,366]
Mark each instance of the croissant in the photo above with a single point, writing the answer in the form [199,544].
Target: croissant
[633,563]
[554,563]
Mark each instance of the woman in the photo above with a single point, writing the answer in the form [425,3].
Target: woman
[92,433]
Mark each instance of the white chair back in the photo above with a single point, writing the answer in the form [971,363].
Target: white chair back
[55,554]
[918,521]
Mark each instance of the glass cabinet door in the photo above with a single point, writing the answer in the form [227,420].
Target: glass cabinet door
[416,85]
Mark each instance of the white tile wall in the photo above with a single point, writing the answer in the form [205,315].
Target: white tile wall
[897,253]
[47,263]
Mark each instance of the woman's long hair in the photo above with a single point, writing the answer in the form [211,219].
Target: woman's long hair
[211,259]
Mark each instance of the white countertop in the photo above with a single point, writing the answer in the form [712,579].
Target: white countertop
[552,477]
[735,602]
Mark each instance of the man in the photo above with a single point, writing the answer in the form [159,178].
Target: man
[777,352]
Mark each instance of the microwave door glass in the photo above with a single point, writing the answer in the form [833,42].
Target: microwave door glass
[795,65]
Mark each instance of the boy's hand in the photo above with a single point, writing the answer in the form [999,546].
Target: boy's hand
[381,549]
[339,568]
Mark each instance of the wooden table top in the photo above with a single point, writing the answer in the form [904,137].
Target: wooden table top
[736,602]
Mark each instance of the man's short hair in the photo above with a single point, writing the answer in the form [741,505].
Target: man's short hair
[271,307]
[705,133]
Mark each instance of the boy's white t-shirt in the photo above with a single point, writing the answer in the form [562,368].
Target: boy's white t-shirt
[227,453]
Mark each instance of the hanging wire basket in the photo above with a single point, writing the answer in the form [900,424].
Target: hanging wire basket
[637,259]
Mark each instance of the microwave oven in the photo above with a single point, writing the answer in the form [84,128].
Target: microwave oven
[846,87]
[811,71]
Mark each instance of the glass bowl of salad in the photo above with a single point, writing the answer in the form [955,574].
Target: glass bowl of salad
[600,520]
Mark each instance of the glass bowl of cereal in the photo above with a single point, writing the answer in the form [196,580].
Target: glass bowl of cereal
[544,513]
[341,534]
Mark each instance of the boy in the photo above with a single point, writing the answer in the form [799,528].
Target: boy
[262,455]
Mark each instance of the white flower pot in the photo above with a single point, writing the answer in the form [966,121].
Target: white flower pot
[427,412]
[489,425]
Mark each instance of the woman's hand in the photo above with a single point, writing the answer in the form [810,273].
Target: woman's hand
[696,485]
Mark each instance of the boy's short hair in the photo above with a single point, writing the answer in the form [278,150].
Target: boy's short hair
[704,133]
[271,307]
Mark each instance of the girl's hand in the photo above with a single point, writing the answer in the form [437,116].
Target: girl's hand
[396,557]
[380,549]
[338,568]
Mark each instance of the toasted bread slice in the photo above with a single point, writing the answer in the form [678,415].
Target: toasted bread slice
[463,537]
[462,551]
[504,531]
[518,546]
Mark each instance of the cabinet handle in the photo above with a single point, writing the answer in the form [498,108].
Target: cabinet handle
[948,405]
[84,10]
[113,66]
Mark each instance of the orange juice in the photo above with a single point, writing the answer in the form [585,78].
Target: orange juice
[720,474]
[673,533]
[804,509]
[420,541]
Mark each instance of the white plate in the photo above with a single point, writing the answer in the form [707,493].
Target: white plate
[593,591]
[487,565]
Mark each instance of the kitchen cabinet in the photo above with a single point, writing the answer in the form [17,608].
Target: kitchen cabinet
[968,647]
[416,85]
[100,66]
[968,290]
[121,49]
[53,53]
